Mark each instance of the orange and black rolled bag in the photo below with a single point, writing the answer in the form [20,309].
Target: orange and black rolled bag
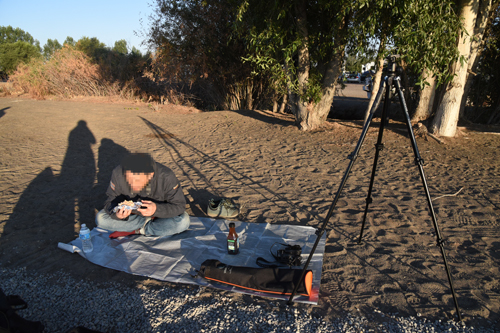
[268,280]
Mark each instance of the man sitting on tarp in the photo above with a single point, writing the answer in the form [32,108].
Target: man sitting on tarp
[144,197]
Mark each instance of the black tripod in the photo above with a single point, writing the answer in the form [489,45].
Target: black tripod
[389,81]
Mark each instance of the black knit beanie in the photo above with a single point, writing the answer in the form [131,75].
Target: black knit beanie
[138,163]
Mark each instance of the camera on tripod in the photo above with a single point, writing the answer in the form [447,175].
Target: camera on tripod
[392,65]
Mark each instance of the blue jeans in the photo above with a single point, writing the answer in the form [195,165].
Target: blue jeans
[148,227]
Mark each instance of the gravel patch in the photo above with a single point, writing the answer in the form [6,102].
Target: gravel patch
[61,303]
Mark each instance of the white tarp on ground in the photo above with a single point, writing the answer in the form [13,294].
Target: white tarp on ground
[177,258]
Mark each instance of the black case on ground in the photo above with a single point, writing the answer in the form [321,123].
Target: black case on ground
[268,280]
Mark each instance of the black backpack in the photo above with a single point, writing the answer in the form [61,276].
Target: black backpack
[10,321]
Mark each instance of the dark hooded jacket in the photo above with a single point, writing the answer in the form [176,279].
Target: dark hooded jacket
[163,189]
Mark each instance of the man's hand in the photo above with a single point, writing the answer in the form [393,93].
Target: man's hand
[123,213]
[148,208]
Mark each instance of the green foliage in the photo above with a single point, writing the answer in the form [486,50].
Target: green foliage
[92,47]
[353,64]
[13,54]
[484,90]
[16,46]
[121,46]
[312,92]
[50,48]
[69,41]
[193,39]
[195,46]
[11,35]
[270,27]
[423,32]
[267,60]
[82,64]
[70,72]
[426,37]
[135,52]
[115,63]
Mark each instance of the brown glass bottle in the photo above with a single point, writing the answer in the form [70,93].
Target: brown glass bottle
[233,243]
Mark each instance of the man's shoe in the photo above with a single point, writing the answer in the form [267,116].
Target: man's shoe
[224,208]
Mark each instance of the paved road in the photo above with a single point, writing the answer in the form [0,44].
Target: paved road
[350,103]
[353,90]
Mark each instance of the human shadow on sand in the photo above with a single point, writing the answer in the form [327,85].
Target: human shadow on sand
[48,208]
[76,178]
[2,111]
[110,155]
[52,207]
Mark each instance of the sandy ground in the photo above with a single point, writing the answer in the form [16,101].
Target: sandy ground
[57,157]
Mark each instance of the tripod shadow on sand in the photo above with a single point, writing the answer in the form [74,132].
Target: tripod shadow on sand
[201,194]
[187,163]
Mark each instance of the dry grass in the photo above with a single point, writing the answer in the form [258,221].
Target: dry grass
[71,74]
[68,73]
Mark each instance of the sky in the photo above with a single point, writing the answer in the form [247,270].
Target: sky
[108,20]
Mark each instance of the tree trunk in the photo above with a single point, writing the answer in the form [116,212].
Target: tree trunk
[249,95]
[483,17]
[495,115]
[275,105]
[310,115]
[378,75]
[426,101]
[323,108]
[301,108]
[283,103]
[446,119]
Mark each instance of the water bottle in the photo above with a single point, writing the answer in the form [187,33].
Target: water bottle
[86,239]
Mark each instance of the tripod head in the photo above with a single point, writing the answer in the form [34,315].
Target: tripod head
[392,65]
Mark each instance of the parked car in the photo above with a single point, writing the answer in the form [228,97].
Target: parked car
[367,73]
[356,77]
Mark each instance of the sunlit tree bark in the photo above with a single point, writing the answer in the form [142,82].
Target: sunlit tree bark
[426,101]
[446,118]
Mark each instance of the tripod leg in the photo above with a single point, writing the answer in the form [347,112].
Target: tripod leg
[420,162]
[353,158]
[379,146]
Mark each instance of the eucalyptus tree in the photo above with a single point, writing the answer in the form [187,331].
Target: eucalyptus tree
[484,78]
[423,34]
[487,21]
[470,12]
[301,44]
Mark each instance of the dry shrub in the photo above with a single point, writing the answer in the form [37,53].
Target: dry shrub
[67,74]
[160,82]
[6,89]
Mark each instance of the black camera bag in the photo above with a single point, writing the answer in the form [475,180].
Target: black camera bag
[268,280]
[10,321]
